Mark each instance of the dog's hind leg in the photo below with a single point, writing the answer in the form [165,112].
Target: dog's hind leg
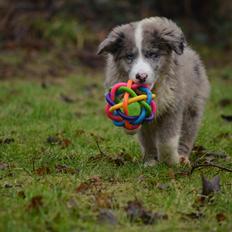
[148,143]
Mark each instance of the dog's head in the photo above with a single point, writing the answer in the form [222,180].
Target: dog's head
[141,49]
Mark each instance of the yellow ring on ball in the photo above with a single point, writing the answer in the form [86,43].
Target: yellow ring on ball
[130,100]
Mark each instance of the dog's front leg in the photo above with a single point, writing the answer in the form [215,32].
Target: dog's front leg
[168,134]
[148,143]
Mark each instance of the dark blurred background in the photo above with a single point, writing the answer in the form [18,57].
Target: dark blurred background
[53,37]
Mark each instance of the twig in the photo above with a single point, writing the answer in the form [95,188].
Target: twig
[98,146]
[209,165]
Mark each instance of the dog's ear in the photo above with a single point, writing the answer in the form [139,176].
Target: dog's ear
[177,44]
[113,42]
[172,35]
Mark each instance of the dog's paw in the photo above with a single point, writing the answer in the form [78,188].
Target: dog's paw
[184,160]
[170,160]
[150,163]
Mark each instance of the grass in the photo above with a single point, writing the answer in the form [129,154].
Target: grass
[40,131]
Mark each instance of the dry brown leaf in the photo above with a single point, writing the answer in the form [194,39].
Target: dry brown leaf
[82,187]
[65,142]
[41,171]
[220,217]
[35,203]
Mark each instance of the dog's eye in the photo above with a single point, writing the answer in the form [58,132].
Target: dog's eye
[130,57]
[151,54]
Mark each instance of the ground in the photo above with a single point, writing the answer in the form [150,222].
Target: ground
[65,167]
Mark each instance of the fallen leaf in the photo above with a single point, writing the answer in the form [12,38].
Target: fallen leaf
[35,203]
[200,201]
[65,142]
[93,182]
[107,216]
[209,187]
[41,171]
[227,118]
[82,187]
[220,217]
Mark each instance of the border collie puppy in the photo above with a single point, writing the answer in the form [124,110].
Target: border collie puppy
[154,51]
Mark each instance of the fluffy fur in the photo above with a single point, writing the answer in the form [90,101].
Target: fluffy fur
[154,51]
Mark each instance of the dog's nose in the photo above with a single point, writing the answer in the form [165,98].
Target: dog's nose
[141,77]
